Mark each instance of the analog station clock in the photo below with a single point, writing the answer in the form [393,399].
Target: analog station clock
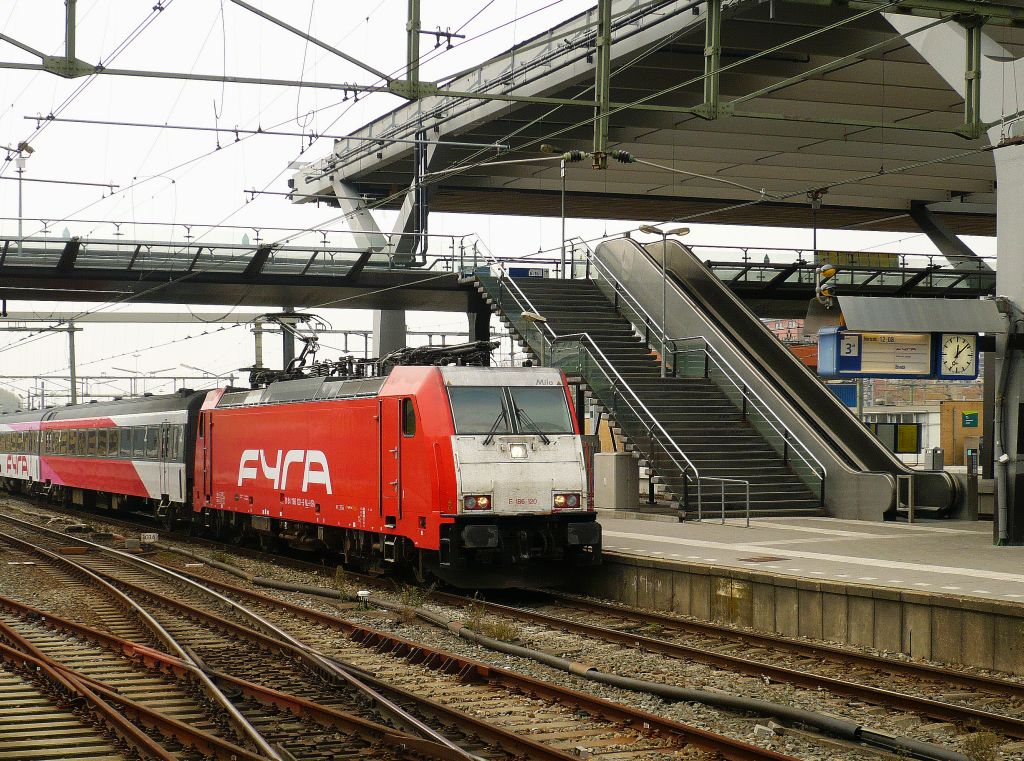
[958,354]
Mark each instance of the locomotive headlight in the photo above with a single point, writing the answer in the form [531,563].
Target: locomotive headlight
[476,502]
[570,501]
[518,451]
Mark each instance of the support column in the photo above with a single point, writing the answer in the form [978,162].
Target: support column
[257,334]
[602,82]
[287,341]
[388,331]
[1009,391]
[72,370]
[712,59]
[479,316]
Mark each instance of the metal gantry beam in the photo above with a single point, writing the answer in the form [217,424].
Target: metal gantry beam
[973,126]
[309,38]
[602,82]
[712,59]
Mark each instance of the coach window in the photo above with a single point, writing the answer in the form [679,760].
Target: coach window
[62,441]
[72,439]
[101,443]
[90,442]
[152,439]
[408,418]
[139,442]
[125,448]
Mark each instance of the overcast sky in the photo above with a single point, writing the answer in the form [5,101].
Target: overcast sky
[174,177]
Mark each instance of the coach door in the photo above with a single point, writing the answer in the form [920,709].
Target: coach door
[164,457]
[206,436]
[390,437]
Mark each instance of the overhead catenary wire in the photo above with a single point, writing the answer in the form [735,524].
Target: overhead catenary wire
[155,11]
[382,201]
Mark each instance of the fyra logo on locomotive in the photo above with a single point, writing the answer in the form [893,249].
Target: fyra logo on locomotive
[314,467]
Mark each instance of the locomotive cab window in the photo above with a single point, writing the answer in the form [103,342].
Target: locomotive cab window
[408,418]
[479,409]
[542,406]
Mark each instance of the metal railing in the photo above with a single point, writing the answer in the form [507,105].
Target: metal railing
[607,384]
[753,408]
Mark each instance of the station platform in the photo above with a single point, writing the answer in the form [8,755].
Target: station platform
[936,590]
[955,557]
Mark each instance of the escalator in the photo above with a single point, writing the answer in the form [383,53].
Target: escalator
[864,479]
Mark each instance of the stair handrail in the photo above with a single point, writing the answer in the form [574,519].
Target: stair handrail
[622,291]
[699,480]
[746,392]
[594,349]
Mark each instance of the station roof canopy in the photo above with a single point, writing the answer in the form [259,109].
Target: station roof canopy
[808,98]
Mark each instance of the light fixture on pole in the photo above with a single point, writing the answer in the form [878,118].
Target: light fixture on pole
[564,156]
[652,230]
[538,320]
[24,150]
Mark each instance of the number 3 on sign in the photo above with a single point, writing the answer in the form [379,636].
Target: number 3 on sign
[850,346]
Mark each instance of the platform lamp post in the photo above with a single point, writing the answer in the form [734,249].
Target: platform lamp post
[23,151]
[652,230]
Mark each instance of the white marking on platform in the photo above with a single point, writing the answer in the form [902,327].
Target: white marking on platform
[850,560]
[921,584]
[895,581]
[842,575]
[887,524]
[792,569]
[867,578]
[815,530]
[818,573]
[951,588]
[980,592]
[819,540]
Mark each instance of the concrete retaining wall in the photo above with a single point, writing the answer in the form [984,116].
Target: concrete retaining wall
[938,627]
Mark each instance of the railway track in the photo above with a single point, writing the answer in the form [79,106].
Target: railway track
[493,713]
[145,682]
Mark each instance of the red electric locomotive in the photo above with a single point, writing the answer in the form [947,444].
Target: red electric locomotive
[474,475]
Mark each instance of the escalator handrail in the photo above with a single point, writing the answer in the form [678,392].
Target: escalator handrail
[765,409]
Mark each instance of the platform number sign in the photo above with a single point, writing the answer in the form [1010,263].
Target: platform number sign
[850,345]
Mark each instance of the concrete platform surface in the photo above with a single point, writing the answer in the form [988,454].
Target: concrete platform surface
[955,558]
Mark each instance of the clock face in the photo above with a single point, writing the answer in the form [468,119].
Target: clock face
[958,352]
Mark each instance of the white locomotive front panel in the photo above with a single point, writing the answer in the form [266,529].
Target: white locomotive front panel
[515,445]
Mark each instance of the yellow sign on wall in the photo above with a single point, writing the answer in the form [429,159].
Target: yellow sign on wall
[871,259]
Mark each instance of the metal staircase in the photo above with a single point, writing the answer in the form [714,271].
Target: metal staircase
[703,437]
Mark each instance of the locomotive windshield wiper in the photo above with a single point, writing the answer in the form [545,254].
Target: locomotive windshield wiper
[522,416]
[494,427]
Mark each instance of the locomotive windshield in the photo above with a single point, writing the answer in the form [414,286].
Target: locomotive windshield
[543,405]
[519,409]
